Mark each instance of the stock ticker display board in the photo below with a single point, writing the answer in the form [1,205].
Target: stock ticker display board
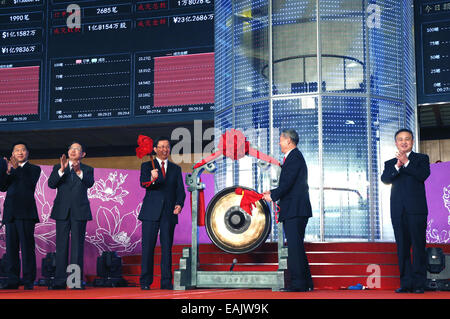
[66,63]
[432,29]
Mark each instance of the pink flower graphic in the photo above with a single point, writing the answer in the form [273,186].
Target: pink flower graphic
[115,232]
[110,189]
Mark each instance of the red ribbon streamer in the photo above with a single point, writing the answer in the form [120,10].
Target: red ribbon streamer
[201,208]
[147,184]
[249,199]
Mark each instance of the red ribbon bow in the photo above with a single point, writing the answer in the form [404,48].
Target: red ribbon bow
[249,199]
[145,146]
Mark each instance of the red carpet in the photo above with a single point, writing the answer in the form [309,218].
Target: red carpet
[225,294]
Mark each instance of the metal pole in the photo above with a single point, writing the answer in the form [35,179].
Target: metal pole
[320,123]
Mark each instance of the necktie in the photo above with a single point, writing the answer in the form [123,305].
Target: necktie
[72,172]
[284,159]
[163,169]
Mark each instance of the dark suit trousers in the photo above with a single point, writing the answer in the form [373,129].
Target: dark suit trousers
[20,235]
[410,231]
[77,231]
[149,237]
[298,267]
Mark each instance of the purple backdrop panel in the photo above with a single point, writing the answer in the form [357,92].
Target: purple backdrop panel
[438,199]
[116,200]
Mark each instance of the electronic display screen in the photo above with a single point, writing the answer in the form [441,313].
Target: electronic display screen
[104,63]
[432,29]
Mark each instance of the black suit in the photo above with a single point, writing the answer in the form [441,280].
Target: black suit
[156,213]
[20,216]
[409,216]
[71,210]
[3,168]
[295,210]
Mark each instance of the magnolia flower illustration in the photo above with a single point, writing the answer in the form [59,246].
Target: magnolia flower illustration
[109,190]
[42,203]
[433,236]
[45,231]
[115,232]
[45,237]
[446,198]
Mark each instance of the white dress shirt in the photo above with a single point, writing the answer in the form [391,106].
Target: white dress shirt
[165,163]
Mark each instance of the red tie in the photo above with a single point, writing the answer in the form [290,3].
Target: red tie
[284,159]
[163,169]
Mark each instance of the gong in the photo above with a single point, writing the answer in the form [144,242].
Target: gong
[231,228]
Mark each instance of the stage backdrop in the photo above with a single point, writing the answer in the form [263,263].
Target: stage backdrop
[116,200]
[438,200]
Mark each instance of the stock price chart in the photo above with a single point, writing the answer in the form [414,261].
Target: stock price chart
[433,51]
[63,62]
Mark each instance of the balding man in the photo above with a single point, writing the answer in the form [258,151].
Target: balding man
[295,210]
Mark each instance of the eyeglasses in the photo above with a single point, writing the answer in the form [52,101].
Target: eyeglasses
[75,149]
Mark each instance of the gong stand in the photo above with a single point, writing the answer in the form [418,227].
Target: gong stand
[233,145]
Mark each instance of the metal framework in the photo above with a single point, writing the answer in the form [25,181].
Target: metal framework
[188,276]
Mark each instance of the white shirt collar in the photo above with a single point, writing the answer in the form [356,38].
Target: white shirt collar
[287,153]
[160,160]
[22,164]
[71,163]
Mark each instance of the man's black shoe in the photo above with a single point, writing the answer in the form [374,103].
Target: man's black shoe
[82,287]
[419,291]
[167,287]
[294,290]
[9,286]
[28,287]
[145,287]
[402,290]
[57,287]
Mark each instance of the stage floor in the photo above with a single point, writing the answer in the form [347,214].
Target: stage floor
[216,294]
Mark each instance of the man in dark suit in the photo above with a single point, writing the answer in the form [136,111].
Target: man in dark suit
[407,173]
[295,209]
[20,216]
[71,210]
[163,201]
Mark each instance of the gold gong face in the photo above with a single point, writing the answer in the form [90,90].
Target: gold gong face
[231,228]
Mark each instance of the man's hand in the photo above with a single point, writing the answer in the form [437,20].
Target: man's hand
[267,196]
[14,163]
[154,173]
[402,159]
[64,162]
[9,165]
[177,210]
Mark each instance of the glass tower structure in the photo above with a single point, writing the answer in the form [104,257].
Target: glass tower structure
[340,72]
